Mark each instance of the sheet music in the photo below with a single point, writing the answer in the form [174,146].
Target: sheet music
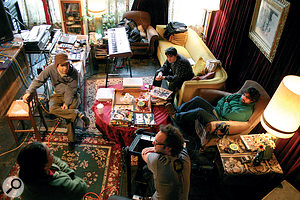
[118,43]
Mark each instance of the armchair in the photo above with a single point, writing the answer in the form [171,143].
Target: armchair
[143,18]
[235,127]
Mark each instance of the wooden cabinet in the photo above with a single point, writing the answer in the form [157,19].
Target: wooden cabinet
[71,12]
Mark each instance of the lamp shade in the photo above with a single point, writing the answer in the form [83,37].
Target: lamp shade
[281,117]
[96,6]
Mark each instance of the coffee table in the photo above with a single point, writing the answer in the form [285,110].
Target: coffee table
[123,136]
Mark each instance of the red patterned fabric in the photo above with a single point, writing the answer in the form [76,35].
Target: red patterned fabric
[123,135]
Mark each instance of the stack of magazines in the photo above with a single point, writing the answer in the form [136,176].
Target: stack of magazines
[159,95]
[121,118]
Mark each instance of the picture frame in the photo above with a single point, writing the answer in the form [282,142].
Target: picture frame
[267,24]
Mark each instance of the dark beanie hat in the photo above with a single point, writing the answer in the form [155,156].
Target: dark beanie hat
[61,58]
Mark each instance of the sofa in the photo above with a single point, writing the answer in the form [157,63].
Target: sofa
[193,48]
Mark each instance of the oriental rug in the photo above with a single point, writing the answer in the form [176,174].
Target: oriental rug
[94,160]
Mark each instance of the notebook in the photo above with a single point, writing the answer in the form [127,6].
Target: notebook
[67,39]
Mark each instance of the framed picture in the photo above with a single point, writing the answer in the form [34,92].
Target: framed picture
[267,25]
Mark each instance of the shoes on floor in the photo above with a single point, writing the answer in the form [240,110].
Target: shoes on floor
[170,110]
[85,119]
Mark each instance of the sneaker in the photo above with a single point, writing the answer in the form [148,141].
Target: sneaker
[84,118]
[170,110]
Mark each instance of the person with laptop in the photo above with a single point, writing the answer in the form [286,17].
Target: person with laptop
[65,98]
[175,70]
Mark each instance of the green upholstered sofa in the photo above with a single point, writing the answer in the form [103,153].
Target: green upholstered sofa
[195,49]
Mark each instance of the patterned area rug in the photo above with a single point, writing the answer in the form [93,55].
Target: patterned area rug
[94,159]
[90,91]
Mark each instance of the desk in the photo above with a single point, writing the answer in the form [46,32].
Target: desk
[123,135]
[10,80]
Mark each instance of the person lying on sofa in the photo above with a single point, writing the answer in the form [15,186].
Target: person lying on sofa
[175,70]
[236,107]
[209,71]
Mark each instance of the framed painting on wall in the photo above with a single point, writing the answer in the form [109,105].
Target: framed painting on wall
[267,25]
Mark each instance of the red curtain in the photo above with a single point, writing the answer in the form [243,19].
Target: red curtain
[158,10]
[288,154]
[229,41]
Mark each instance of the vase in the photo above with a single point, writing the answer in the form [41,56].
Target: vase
[258,158]
[268,153]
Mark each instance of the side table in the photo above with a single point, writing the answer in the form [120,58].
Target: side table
[239,177]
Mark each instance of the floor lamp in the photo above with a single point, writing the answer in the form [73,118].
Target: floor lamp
[97,9]
[281,118]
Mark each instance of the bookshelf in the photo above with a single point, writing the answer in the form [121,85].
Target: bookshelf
[71,13]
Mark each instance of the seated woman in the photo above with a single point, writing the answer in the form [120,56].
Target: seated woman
[209,71]
[46,176]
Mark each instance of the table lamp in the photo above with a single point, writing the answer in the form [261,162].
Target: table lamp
[281,118]
[97,8]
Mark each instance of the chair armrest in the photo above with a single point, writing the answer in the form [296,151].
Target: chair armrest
[189,88]
[152,36]
[235,127]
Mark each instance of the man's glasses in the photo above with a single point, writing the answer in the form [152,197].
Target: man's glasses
[156,143]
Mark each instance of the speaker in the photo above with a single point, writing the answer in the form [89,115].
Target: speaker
[6,33]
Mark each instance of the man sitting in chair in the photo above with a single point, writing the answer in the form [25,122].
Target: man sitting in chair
[236,107]
[64,101]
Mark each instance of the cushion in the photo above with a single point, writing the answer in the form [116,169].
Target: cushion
[179,38]
[142,31]
[164,44]
[160,30]
[199,66]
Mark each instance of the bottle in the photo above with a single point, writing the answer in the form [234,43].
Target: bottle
[258,158]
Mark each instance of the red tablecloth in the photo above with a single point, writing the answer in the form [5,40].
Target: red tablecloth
[123,135]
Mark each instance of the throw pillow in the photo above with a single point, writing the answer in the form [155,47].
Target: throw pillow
[199,66]
[142,31]
[179,38]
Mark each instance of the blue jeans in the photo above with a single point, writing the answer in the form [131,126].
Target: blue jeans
[197,108]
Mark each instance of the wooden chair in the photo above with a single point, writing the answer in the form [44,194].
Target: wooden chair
[22,111]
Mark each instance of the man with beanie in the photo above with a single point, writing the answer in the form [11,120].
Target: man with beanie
[64,101]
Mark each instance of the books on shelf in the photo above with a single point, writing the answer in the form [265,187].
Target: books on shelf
[105,94]
[132,82]
[161,93]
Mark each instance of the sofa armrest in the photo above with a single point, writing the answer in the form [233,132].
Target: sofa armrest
[189,88]
[152,37]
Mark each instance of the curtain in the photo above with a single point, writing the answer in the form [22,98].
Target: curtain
[288,154]
[228,40]
[158,10]
[182,11]
[32,12]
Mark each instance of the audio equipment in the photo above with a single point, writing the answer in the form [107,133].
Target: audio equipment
[6,33]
